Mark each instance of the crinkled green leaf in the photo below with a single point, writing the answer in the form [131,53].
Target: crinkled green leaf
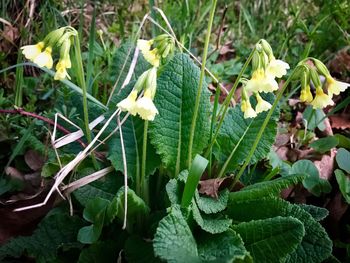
[271,239]
[175,187]
[263,189]
[136,205]
[211,205]
[173,241]
[238,130]
[175,99]
[105,188]
[315,246]
[94,213]
[224,247]
[318,213]
[214,224]
[54,231]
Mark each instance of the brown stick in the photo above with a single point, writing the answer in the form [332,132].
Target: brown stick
[36,116]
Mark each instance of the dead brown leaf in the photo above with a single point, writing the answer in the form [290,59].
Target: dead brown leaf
[34,160]
[14,173]
[211,187]
[325,166]
[340,121]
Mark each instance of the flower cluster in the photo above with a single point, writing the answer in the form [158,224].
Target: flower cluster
[41,53]
[153,51]
[311,74]
[265,69]
[157,48]
[143,106]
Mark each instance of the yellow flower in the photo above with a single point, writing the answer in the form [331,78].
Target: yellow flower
[145,106]
[254,84]
[129,104]
[277,68]
[61,72]
[262,105]
[246,107]
[306,95]
[32,51]
[269,84]
[44,59]
[334,87]
[261,82]
[144,45]
[321,99]
[151,56]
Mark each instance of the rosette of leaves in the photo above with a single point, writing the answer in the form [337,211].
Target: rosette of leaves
[252,225]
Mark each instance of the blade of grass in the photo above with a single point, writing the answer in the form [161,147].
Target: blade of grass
[197,168]
[21,143]
[65,81]
[90,65]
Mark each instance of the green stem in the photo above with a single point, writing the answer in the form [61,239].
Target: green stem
[82,84]
[213,117]
[224,167]
[19,83]
[262,129]
[143,183]
[201,78]
[227,100]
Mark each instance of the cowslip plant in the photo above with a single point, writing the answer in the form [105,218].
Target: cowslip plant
[163,115]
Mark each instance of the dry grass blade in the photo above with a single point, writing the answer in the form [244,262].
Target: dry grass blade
[68,138]
[125,174]
[68,189]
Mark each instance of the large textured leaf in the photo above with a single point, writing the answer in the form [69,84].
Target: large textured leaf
[272,239]
[173,241]
[224,247]
[318,213]
[55,230]
[242,132]
[105,188]
[94,213]
[214,224]
[121,62]
[263,189]
[136,206]
[236,130]
[174,188]
[315,246]
[211,205]
[175,99]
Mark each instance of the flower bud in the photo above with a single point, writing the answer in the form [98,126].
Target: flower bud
[53,37]
[151,81]
[255,60]
[315,77]
[267,48]
[322,69]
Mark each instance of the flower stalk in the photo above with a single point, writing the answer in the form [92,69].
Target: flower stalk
[82,84]
[201,78]
[262,129]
